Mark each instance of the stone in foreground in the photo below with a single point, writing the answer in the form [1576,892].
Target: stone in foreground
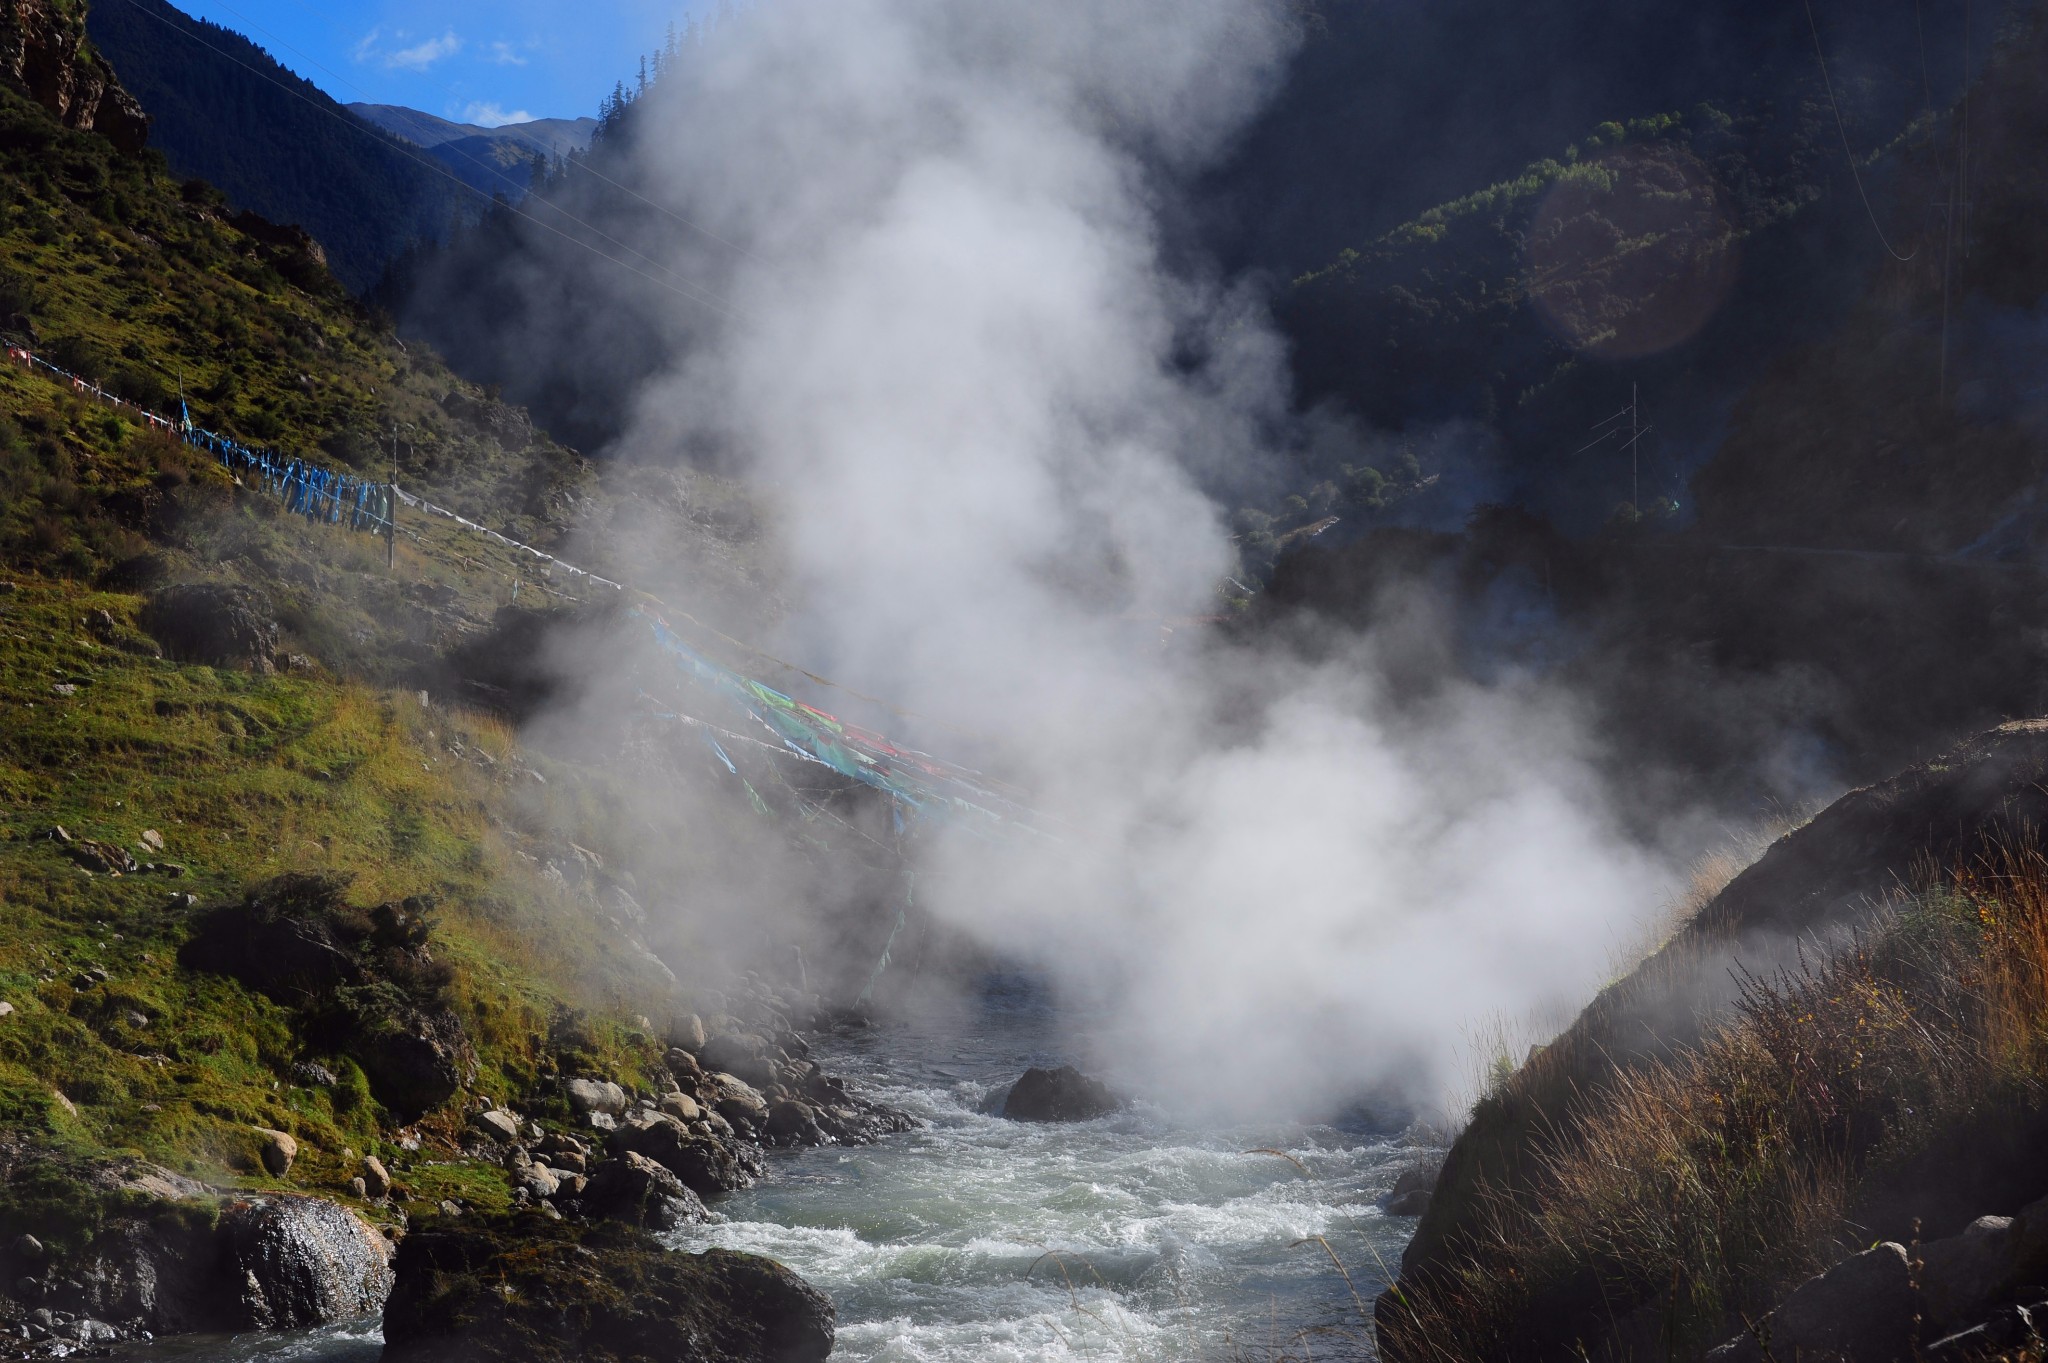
[529,1289]
[1061,1095]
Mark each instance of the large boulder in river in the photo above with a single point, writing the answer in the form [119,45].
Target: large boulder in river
[166,1264]
[304,1261]
[531,1290]
[1061,1095]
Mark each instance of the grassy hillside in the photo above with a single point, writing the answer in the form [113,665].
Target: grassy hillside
[111,268]
[1709,1134]
[341,765]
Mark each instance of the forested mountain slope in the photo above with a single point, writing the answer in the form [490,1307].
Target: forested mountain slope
[227,112]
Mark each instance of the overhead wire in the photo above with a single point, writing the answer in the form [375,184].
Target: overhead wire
[686,291]
[1842,128]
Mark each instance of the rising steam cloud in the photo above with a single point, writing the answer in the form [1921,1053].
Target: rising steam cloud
[984,400]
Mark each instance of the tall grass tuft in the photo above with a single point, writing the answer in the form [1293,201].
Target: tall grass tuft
[1693,1192]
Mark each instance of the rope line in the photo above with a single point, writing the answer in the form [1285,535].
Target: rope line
[914,779]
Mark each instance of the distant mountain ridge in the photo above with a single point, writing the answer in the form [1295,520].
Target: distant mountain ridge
[548,136]
[225,111]
[494,160]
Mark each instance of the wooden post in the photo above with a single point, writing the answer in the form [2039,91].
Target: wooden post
[391,527]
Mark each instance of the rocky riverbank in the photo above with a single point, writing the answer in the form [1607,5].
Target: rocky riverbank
[97,1252]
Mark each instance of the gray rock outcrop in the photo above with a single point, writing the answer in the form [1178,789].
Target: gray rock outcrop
[1059,1095]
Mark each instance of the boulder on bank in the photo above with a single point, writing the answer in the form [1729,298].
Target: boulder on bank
[1862,1308]
[365,979]
[707,1166]
[1880,1305]
[638,1191]
[303,1262]
[534,1290]
[214,623]
[168,1263]
[1061,1095]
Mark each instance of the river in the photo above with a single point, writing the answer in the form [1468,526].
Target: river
[974,1239]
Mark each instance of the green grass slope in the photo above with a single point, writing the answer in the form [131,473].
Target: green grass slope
[326,759]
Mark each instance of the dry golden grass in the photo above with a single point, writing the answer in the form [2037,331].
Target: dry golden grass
[1694,1191]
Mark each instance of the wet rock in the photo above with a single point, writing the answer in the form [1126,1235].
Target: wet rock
[705,1165]
[27,1249]
[1061,1095]
[304,1262]
[595,1095]
[277,1152]
[634,1189]
[213,623]
[1862,1308]
[791,1123]
[738,1101]
[539,1291]
[1412,1190]
[86,1330]
[163,1271]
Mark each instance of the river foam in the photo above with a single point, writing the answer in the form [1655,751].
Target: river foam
[1136,1237]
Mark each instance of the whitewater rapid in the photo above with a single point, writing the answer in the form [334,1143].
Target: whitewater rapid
[1136,1238]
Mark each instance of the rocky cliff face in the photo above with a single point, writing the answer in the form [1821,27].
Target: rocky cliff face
[43,49]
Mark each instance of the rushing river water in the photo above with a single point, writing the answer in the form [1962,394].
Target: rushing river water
[1135,1237]
[980,1240]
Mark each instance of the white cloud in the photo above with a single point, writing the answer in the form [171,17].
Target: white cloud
[423,55]
[367,48]
[494,116]
[503,55]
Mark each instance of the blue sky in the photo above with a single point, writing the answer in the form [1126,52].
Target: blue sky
[467,60]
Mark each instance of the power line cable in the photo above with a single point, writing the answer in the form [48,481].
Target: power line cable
[1843,129]
[404,149]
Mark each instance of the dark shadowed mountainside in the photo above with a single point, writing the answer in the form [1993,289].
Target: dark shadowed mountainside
[227,112]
